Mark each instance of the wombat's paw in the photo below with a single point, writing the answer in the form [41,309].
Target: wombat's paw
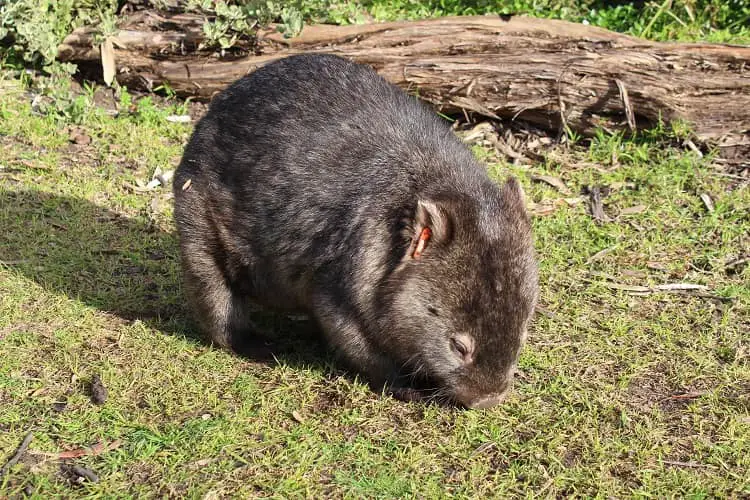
[256,348]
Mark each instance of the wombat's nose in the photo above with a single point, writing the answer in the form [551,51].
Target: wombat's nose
[488,401]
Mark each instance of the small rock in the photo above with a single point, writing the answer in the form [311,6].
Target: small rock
[78,136]
[98,391]
[179,118]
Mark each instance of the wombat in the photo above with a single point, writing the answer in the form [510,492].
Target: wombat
[314,185]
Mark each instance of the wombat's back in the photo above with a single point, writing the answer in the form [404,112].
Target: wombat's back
[305,115]
[305,141]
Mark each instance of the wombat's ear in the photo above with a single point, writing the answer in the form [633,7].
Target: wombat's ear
[432,224]
[512,194]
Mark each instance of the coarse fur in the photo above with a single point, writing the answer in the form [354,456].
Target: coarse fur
[307,186]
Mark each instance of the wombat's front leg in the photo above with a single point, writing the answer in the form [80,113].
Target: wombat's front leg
[346,334]
[224,315]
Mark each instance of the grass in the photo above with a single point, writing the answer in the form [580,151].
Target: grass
[620,394]
[89,285]
[665,20]
[710,20]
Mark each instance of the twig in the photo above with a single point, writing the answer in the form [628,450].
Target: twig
[18,454]
[692,289]
[664,287]
[83,472]
[595,201]
[564,129]
[626,104]
[668,287]
[706,199]
[628,288]
[555,182]
[95,449]
[736,262]
[484,447]
[732,176]
[598,255]
[690,144]
[686,395]
[694,465]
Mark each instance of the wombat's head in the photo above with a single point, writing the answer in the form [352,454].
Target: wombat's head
[462,296]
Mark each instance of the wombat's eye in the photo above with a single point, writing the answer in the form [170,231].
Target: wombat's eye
[463,345]
[460,347]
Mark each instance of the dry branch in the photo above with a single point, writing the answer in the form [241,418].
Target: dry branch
[546,72]
[93,450]
[17,455]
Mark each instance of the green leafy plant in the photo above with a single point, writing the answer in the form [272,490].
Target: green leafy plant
[229,22]
[33,29]
[53,95]
[291,19]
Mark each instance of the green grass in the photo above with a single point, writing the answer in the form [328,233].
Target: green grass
[89,285]
[620,394]
[710,20]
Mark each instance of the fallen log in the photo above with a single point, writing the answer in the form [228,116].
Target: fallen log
[553,74]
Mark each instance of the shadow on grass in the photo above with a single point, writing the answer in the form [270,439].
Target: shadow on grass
[125,266]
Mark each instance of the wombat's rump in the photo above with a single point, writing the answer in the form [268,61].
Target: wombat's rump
[314,185]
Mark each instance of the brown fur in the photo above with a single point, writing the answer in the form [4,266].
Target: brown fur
[310,183]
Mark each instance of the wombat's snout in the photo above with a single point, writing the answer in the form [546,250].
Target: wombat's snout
[487,401]
[482,401]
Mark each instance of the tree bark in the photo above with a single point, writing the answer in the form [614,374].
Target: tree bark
[553,74]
